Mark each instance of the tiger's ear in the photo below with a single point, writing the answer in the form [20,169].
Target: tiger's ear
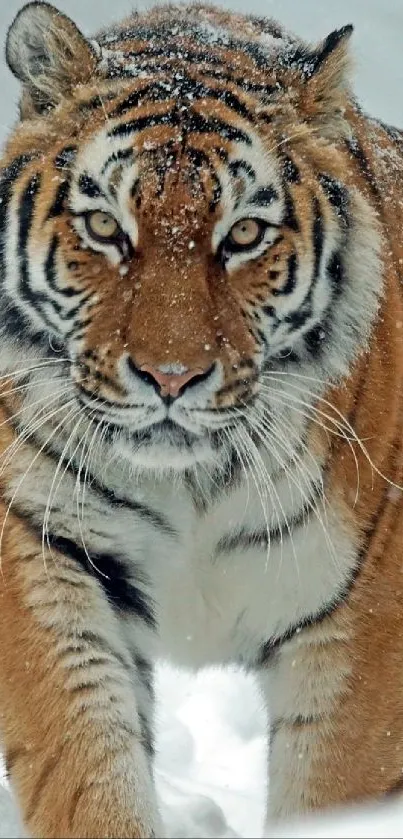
[50,56]
[325,82]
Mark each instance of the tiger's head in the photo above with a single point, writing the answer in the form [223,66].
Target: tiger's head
[179,222]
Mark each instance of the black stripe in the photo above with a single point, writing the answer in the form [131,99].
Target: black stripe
[246,364]
[314,339]
[228,98]
[247,539]
[25,218]
[237,166]
[265,90]
[298,319]
[86,372]
[357,152]
[267,25]
[264,196]
[330,44]
[65,157]
[396,788]
[269,650]
[136,97]
[243,539]
[337,194]
[146,734]
[116,156]
[134,189]
[245,85]
[335,271]
[290,218]
[309,61]
[288,288]
[182,89]
[16,325]
[192,122]
[317,238]
[212,125]
[11,757]
[111,571]
[290,171]
[270,312]
[58,206]
[26,212]
[170,118]
[51,273]
[395,134]
[145,671]
[88,641]
[8,176]
[48,766]
[10,173]
[175,47]
[170,52]
[89,187]
[38,300]
[358,400]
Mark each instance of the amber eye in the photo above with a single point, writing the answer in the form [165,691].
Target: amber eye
[245,233]
[102,226]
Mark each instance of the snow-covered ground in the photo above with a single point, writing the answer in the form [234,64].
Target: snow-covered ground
[211,728]
[211,767]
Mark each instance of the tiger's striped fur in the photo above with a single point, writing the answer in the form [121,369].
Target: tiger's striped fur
[247,511]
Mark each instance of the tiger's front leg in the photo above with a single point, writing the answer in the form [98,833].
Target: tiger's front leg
[336,733]
[74,729]
[305,681]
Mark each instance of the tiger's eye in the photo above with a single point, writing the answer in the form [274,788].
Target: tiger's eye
[102,226]
[245,232]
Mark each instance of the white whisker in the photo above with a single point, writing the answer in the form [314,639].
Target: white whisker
[33,461]
[314,415]
[53,491]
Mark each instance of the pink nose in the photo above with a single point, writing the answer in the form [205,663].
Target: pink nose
[170,384]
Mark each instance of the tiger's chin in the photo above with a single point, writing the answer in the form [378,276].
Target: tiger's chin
[164,449]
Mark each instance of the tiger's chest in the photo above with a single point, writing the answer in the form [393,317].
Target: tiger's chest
[221,580]
[242,574]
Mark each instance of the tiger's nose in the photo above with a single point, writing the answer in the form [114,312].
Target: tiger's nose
[169,385]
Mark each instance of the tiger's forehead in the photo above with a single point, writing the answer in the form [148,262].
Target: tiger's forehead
[173,171]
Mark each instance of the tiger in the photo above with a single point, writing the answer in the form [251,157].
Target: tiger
[201,352]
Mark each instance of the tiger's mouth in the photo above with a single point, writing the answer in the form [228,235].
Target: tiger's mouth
[165,446]
[164,436]
[167,432]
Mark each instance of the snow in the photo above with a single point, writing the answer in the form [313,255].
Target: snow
[211,746]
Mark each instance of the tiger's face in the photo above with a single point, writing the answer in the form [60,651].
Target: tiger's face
[179,249]
[180,252]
